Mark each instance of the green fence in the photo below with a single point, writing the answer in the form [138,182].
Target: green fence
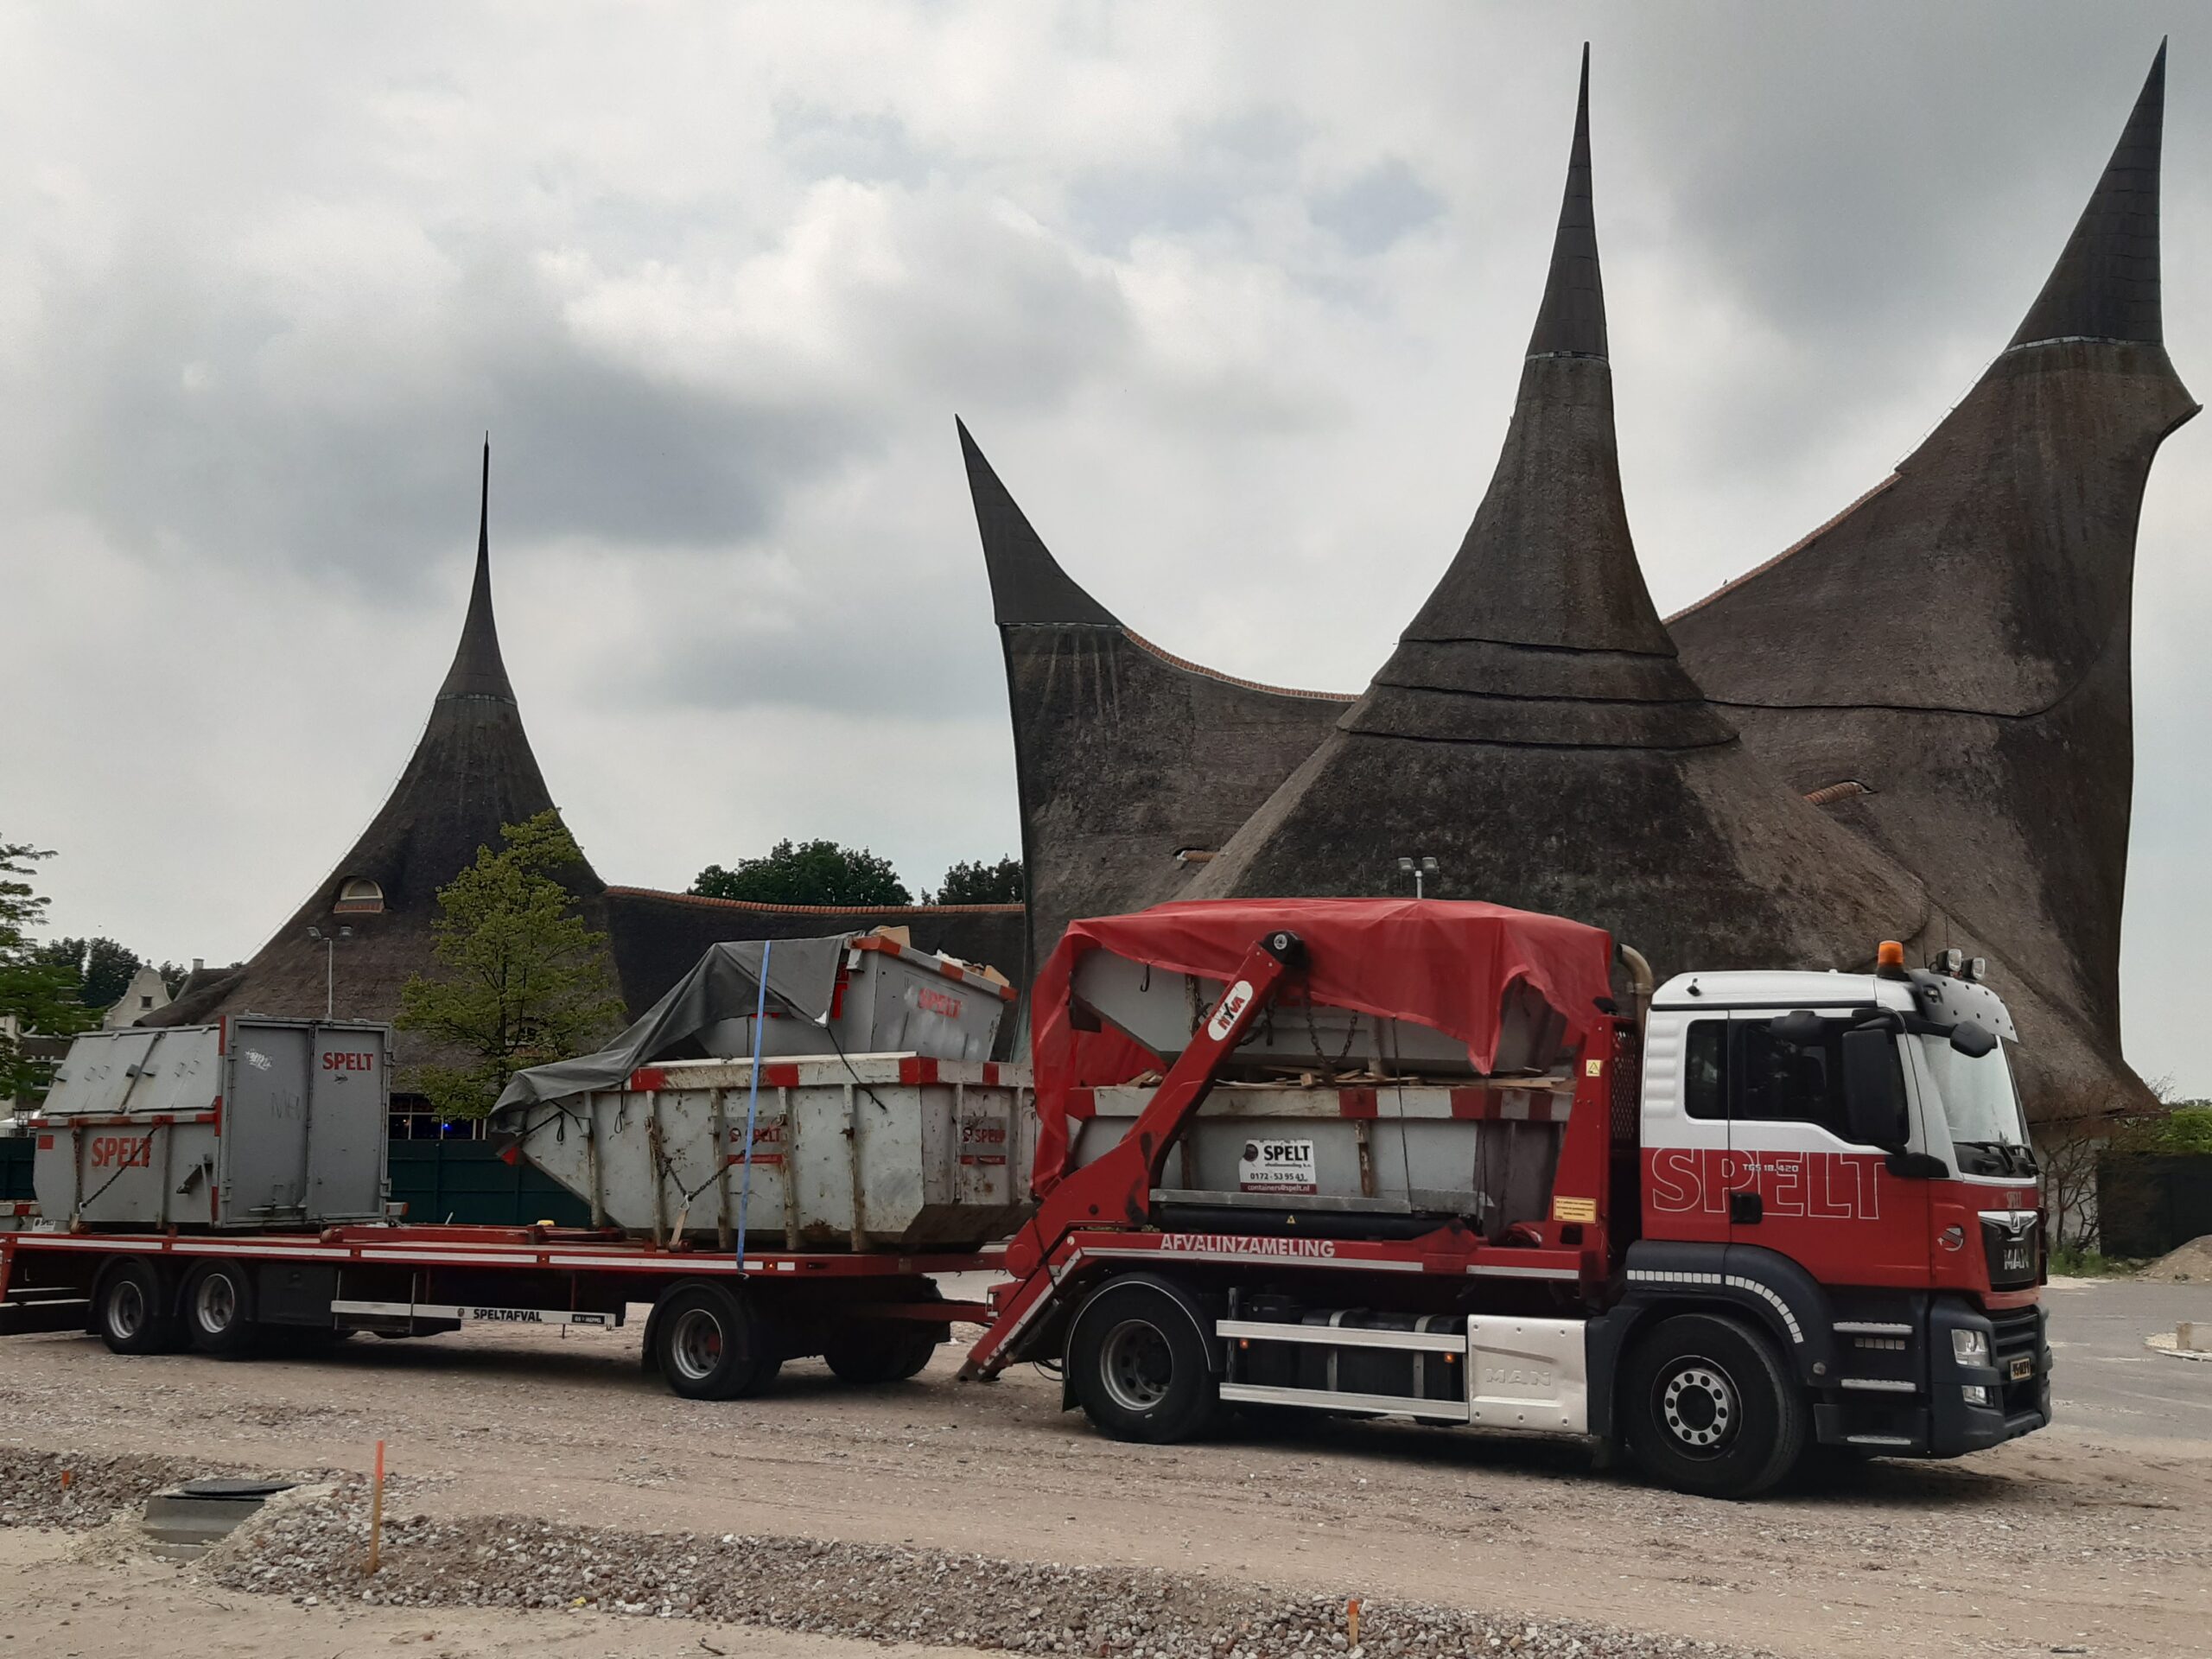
[2151,1203]
[466,1181]
[438,1180]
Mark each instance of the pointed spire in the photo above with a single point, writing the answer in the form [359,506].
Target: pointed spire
[2106,283]
[478,670]
[1027,585]
[1571,321]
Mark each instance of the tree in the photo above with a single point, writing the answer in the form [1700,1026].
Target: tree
[980,884]
[104,968]
[807,873]
[35,996]
[524,979]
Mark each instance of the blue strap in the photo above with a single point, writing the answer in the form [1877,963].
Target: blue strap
[753,1100]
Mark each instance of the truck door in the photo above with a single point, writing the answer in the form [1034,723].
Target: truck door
[1800,1186]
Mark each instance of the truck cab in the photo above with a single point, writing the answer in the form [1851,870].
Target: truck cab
[1845,1158]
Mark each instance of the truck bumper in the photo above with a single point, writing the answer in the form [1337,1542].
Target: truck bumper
[1965,1407]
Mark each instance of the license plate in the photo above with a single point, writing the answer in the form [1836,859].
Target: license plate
[2023,1369]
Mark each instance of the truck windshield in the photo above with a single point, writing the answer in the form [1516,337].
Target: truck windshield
[1983,1112]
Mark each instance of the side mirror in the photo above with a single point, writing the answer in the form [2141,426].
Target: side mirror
[1800,1029]
[1971,1040]
[1875,1109]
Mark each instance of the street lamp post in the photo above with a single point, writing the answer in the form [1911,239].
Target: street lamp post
[1423,870]
[329,941]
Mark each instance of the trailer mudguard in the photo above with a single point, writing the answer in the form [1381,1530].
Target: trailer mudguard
[1202,1320]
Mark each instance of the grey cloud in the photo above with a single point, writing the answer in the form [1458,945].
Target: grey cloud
[1385,203]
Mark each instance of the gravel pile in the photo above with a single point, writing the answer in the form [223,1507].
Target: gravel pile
[314,1554]
[42,1489]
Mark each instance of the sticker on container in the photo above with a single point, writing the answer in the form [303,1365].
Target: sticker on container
[1276,1167]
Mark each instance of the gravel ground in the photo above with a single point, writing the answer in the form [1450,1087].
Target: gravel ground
[314,1553]
[72,1492]
[2093,1535]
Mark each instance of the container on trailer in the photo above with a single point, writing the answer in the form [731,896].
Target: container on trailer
[855,1150]
[249,1123]
[1485,1150]
[890,998]
[1162,1010]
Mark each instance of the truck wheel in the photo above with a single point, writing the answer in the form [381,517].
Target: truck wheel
[1139,1366]
[711,1345]
[866,1354]
[131,1312]
[217,1306]
[1709,1408]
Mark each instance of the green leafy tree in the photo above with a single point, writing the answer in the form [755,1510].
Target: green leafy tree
[104,968]
[521,980]
[36,996]
[807,873]
[980,884]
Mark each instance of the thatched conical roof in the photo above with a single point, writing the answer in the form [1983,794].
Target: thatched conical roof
[1949,661]
[1535,733]
[1125,756]
[471,773]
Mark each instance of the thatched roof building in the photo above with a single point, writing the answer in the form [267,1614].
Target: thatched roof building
[1128,760]
[1946,665]
[472,771]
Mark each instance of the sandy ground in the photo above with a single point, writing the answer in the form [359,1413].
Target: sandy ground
[61,1606]
[2094,1537]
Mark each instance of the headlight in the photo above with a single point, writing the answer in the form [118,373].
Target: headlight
[1975,1394]
[1970,1347]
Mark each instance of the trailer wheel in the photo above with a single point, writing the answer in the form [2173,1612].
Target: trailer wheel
[1709,1408]
[711,1345]
[218,1308]
[131,1312]
[866,1353]
[1139,1368]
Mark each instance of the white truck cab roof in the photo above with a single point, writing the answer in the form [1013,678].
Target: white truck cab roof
[1936,997]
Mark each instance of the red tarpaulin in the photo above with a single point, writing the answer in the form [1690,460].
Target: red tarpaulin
[1438,962]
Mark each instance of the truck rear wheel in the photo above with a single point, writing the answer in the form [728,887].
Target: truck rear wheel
[1139,1367]
[711,1345]
[131,1310]
[1709,1408]
[218,1308]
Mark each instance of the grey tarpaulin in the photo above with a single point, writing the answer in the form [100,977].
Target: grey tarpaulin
[801,980]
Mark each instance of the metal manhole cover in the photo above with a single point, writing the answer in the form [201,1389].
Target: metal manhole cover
[231,1488]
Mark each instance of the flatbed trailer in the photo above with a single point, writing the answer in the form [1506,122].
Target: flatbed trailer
[719,1326]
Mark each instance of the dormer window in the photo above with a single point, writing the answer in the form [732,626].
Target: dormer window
[360,897]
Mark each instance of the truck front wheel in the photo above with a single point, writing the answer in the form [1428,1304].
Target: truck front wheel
[1709,1408]
[218,1309]
[132,1310]
[1139,1367]
[711,1345]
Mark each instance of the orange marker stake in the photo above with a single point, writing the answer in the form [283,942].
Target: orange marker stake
[1351,1623]
[376,1512]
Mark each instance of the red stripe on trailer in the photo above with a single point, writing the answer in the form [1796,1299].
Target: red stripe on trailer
[648,1080]
[45,1143]
[780,1076]
[990,1072]
[916,1068]
[1357,1103]
[1473,1105]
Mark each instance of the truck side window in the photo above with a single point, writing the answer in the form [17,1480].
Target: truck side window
[1778,1082]
[1704,1069]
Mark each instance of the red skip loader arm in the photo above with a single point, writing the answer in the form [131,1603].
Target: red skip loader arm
[1117,1191]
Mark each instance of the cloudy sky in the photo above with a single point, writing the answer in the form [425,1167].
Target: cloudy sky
[1233,296]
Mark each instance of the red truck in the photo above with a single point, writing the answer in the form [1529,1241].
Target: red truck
[1421,1158]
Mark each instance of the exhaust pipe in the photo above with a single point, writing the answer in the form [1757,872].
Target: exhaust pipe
[1641,985]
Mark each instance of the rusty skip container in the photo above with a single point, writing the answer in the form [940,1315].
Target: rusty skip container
[247,1124]
[860,1151]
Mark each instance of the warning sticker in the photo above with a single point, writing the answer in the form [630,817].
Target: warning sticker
[1276,1167]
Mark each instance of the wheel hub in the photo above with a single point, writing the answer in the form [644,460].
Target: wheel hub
[697,1344]
[126,1309]
[1136,1365]
[1698,1403]
[217,1304]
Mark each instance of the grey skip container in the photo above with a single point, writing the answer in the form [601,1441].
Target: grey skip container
[249,1124]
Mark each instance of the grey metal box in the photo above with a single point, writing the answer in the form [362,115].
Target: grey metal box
[249,1123]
